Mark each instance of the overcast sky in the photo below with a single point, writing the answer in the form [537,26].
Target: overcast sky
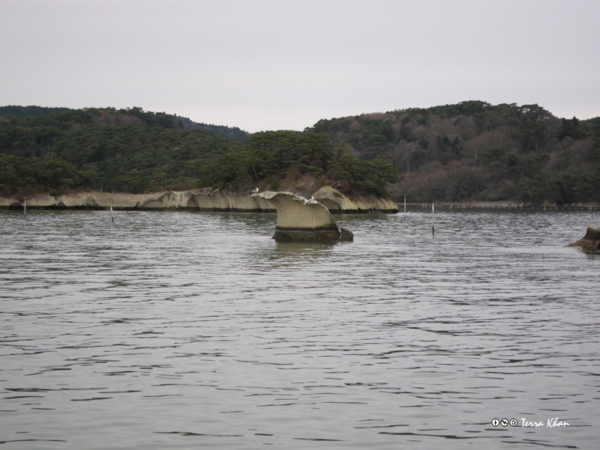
[285,64]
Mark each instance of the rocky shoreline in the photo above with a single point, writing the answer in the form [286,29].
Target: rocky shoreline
[502,205]
[213,200]
[193,200]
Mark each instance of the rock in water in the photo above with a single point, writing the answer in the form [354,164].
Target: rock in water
[591,240]
[346,235]
[299,219]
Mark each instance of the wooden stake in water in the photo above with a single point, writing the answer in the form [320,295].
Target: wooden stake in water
[24,206]
[111,215]
[404,205]
[432,219]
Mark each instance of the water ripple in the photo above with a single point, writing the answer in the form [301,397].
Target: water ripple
[178,330]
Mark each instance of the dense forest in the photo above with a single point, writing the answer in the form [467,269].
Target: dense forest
[477,151]
[57,150]
[468,151]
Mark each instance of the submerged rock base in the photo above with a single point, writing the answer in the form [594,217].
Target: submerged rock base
[591,240]
[304,235]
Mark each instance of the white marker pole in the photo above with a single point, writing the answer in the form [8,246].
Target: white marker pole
[111,215]
[432,219]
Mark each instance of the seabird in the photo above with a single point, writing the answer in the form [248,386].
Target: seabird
[255,190]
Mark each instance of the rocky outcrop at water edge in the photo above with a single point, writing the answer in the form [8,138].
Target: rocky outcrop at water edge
[591,240]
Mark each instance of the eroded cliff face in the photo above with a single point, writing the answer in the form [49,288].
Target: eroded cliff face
[193,199]
[198,199]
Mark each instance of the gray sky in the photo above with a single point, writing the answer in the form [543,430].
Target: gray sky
[285,64]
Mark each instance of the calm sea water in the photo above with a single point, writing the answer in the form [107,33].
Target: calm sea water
[175,330]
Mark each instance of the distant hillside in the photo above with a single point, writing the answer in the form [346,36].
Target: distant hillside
[477,151]
[220,130]
[149,118]
[20,111]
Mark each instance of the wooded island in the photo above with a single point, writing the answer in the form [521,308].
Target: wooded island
[471,151]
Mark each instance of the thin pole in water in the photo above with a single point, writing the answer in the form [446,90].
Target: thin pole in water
[404,205]
[432,219]
[24,206]
[111,215]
